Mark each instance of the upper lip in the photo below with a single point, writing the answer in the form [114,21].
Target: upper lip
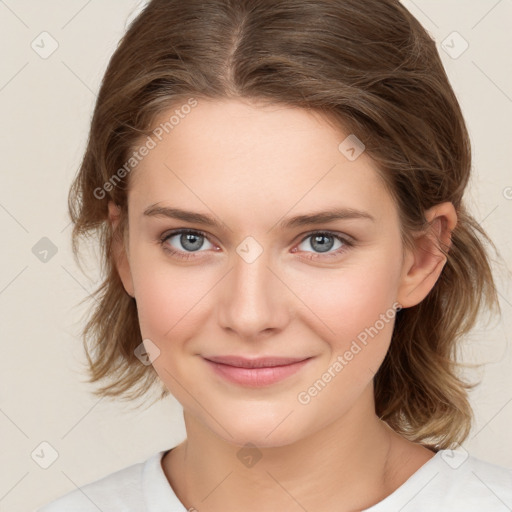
[260,362]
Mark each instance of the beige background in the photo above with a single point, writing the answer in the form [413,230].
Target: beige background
[46,106]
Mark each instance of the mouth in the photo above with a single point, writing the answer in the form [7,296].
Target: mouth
[256,372]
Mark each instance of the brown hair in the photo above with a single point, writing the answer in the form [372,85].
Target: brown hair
[372,70]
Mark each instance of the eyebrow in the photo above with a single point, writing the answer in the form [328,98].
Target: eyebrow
[292,222]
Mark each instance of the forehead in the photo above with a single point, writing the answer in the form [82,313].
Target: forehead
[250,156]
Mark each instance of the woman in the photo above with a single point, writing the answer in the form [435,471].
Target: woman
[278,186]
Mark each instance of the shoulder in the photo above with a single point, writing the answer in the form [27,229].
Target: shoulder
[470,478]
[121,490]
[452,481]
[476,481]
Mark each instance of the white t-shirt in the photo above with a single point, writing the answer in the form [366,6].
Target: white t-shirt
[451,481]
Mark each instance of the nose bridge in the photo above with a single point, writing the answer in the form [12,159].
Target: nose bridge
[254,298]
[251,276]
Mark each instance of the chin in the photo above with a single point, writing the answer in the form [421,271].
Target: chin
[260,438]
[269,431]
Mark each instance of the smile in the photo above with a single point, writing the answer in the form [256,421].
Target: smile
[255,372]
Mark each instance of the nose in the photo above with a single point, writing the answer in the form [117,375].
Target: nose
[255,302]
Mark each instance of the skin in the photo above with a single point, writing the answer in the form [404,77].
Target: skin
[250,166]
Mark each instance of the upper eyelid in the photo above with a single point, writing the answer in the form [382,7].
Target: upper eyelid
[341,236]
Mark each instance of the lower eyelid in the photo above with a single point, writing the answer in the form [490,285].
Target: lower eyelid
[167,236]
[347,243]
[343,239]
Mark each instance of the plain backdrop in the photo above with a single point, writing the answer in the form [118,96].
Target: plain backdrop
[46,104]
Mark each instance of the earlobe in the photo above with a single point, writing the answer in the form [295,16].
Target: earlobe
[118,249]
[423,264]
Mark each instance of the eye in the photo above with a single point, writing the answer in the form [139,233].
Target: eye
[323,242]
[187,241]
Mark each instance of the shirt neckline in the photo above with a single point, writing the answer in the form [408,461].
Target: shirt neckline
[160,496]
[395,499]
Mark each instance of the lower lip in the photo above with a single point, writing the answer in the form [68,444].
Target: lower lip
[256,377]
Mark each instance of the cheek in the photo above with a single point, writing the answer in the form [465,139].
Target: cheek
[356,308]
[168,295]
[167,300]
[169,305]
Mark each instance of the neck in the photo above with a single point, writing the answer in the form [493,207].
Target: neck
[350,464]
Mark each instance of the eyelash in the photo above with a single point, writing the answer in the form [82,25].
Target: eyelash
[190,255]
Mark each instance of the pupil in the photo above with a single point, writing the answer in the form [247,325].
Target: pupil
[323,247]
[189,238]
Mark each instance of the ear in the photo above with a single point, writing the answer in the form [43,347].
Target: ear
[120,257]
[423,264]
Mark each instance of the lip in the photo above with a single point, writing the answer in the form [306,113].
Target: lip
[256,372]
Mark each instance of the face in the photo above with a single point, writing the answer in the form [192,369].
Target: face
[260,279]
